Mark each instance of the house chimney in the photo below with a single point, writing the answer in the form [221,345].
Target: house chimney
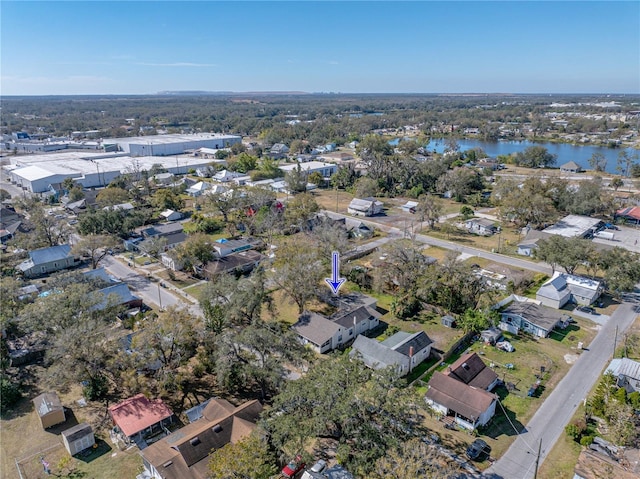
[410,351]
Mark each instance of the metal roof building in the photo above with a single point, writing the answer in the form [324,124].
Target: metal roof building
[165,145]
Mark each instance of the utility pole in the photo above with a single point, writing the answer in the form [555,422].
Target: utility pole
[535,472]
[159,296]
[615,340]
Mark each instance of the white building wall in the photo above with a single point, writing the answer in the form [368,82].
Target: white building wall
[486,416]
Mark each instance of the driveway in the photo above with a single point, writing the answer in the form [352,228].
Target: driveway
[549,421]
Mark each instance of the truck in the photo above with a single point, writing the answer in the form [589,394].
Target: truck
[609,235]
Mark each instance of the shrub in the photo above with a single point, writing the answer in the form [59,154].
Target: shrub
[572,431]
[586,440]
[96,388]
[9,393]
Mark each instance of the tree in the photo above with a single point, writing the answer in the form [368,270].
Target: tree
[616,183]
[316,178]
[248,458]
[256,356]
[4,195]
[298,271]
[621,269]
[153,246]
[112,196]
[196,250]
[461,182]
[598,162]
[366,187]
[339,398]
[300,209]
[95,247]
[466,212]
[49,230]
[242,163]
[296,180]
[345,177]
[330,237]
[166,199]
[414,459]
[170,339]
[475,321]
[429,208]
[535,157]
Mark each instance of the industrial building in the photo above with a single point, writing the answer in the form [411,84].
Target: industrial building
[35,173]
[166,145]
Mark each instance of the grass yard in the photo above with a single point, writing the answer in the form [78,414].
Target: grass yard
[327,199]
[181,280]
[506,242]
[195,290]
[555,354]
[23,438]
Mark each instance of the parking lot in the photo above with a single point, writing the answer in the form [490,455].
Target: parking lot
[627,237]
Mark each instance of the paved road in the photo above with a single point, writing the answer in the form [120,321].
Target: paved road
[150,292]
[395,233]
[555,413]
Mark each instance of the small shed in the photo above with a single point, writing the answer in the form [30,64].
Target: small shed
[448,321]
[78,438]
[491,335]
[49,409]
[171,215]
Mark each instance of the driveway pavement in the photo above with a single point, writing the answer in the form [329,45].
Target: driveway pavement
[555,413]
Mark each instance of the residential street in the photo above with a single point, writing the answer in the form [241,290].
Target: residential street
[150,292]
[396,232]
[555,413]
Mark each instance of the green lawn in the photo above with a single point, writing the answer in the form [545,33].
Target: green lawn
[195,290]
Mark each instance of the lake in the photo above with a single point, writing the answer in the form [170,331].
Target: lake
[564,151]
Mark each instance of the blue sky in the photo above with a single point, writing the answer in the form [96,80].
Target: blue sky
[450,47]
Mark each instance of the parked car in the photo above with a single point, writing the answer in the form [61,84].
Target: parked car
[505,346]
[477,449]
[586,309]
[319,466]
[294,467]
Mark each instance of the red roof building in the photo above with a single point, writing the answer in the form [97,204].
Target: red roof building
[138,416]
[631,214]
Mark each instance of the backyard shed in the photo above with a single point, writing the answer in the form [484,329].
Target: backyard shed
[78,438]
[49,409]
[448,321]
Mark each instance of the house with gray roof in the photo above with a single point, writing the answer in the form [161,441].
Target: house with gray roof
[365,207]
[326,334]
[531,318]
[627,373]
[403,351]
[481,226]
[117,295]
[570,167]
[48,260]
[563,288]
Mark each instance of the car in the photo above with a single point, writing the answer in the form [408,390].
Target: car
[477,449]
[586,309]
[319,466]
[293,467]
[72,222]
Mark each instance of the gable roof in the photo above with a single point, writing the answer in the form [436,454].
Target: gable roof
[630,212]
[375,354]
[471,370]
[183,454]
[47,403]
[418,341]
[487,223]
[624,367]
[76,432]
[138,413]
[356,316]
[315,328]
[465,400]
[52,253]
[545,318]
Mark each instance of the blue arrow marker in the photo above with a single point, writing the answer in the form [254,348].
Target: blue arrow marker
[334,282]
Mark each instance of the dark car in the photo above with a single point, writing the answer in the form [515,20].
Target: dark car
[477,449]
[586,309]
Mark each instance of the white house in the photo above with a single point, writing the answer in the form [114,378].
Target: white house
[171,215]
[225,176]
[325,169]
[198,189]
[468,406]
[481,226]
[365,207]
[563,288]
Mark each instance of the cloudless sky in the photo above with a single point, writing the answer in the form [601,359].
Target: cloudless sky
[127,47]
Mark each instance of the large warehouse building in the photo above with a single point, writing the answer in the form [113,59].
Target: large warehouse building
[35,173]
[167,145]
